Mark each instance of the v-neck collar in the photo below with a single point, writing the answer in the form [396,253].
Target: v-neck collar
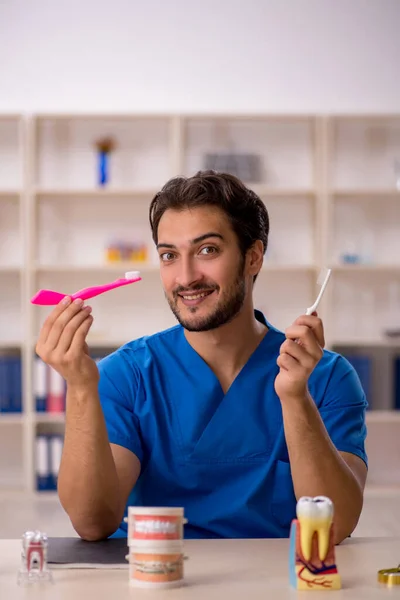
[200,364]
[209,423]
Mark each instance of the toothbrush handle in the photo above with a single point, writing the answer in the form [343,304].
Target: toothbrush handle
[91,292]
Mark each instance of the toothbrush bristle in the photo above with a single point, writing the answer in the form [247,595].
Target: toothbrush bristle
[132,274]
[323,274]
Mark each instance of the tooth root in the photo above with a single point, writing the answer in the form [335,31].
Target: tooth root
[324,530]
[306,536]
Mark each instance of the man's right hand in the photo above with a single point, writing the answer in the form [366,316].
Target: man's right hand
[62,343]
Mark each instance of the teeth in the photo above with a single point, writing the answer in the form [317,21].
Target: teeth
[315,515]
[196,296]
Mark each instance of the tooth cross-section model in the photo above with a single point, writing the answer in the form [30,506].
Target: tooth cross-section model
[312,563]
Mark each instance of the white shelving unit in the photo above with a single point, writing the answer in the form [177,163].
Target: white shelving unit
[13,466]
[329,184]
[363,246]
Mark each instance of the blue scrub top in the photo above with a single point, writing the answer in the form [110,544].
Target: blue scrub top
[223,457]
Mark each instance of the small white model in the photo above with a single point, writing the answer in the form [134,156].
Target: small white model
[34,558]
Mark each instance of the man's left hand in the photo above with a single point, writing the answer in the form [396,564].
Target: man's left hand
[299,354]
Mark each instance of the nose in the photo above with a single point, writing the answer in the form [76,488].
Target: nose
[188,273]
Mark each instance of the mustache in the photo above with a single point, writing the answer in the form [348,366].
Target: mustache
[195,288]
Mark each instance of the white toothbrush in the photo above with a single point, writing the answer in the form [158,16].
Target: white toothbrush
[322,280]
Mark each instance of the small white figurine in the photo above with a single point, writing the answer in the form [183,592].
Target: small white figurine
[34,559]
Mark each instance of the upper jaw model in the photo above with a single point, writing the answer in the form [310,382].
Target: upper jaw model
[315,515]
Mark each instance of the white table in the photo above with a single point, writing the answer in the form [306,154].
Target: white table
[216,570]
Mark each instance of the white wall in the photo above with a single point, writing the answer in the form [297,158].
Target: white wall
[182,55]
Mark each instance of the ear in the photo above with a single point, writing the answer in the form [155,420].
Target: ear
[255,257]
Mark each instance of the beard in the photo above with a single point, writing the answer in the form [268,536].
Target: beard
[225,311]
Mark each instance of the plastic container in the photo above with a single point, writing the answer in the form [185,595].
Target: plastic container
[155,569]
[157,526]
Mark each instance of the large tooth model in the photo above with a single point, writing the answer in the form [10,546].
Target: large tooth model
[312,563]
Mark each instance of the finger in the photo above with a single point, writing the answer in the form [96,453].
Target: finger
[60,324]
[70,329]
[315,324]
[51,319]
[290,364]
[305,336]
[299,353]
[78,342]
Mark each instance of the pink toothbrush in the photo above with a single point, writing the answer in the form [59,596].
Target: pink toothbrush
[50,298]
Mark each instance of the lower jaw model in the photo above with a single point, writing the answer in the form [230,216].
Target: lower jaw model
[315,515]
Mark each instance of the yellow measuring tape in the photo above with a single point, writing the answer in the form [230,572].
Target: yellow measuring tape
[389,576]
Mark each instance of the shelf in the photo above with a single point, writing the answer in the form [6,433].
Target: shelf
[287,268]
[10,345]
[152,268]
[369,194]
[267,118]
[50,495]
[368,118]
[10,194]
[13,269]
[259,189]
[383,342]
[11,419]
[44,417]
[109,116]
[383,416]
[366,268]
[55,172]
[58,194]
[267,191]
[117,268]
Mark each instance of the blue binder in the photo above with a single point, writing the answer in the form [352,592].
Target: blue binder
[397,383]
[3,385]
[15,384]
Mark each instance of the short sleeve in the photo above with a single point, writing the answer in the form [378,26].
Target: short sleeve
[343,409]
[118,389]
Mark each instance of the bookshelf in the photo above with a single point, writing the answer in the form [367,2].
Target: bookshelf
[330,184]
[13,466]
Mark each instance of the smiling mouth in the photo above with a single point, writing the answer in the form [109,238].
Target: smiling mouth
[196,295]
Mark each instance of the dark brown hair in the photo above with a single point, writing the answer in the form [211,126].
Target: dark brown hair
[245,210]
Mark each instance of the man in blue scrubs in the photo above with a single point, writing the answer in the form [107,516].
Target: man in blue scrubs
[222,414]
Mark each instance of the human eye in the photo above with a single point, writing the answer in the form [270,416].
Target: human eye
[167,256]
[208,250]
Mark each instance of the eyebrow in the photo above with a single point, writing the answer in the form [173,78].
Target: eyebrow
[197,240]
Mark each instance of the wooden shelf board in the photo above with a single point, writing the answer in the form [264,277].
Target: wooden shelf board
[59,194]
[382,342]
[370,117]
[11,419]
[118,268]
[109,116]
[10,117]
[287,268]
[270,192]
[13,269]
[370,194]
[271,117]
[45,417]
[11,344]
[11,194]
[366,268]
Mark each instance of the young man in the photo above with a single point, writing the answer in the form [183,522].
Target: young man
[222,414]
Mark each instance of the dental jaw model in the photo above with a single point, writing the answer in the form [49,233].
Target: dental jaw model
[312,564]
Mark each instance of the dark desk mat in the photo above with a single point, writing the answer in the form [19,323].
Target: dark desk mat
[77,551]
